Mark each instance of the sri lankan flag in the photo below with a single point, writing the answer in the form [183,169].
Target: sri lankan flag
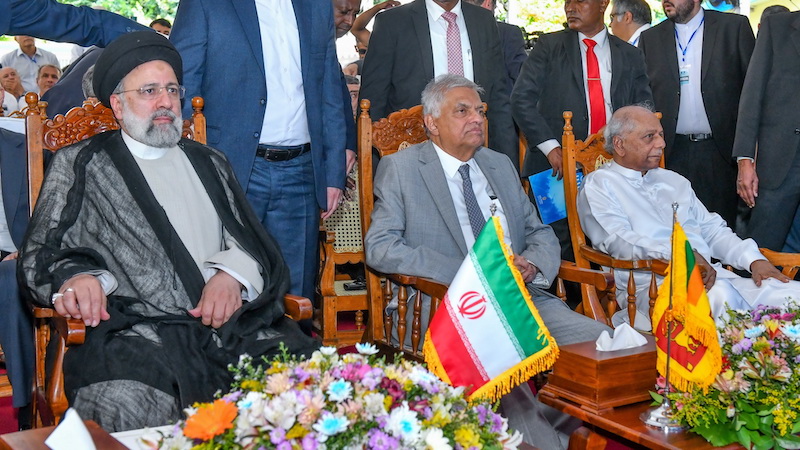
[696,357]
[487,335]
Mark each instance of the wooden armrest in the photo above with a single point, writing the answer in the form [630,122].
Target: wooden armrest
[72,330]
[568,271]
[426,285]
[298,308]
[656,265]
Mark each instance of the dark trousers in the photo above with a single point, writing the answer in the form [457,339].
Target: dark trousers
[772,218]
[283,197]
[16,335]
[711,171]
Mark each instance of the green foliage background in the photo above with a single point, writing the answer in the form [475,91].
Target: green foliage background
[143,11]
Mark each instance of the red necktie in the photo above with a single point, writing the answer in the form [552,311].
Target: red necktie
[597,104]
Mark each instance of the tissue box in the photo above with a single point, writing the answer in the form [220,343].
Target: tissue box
[599,381]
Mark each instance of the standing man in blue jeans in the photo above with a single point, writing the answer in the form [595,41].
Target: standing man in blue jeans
[273,101]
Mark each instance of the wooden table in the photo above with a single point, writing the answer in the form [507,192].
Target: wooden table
[34,439]
[623,422]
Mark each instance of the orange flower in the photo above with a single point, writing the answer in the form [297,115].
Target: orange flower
[211,419]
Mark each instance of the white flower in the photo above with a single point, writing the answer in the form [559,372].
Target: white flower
[282,410]
[366,348]
[404,424]
[419,374]
[435,440]
[340,390]
[373,405]
[329,424]
[511,442]
[328,351]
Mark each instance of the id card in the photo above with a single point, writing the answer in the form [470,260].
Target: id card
[684,74]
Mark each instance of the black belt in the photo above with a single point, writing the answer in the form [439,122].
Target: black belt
[281,153]
[697,137]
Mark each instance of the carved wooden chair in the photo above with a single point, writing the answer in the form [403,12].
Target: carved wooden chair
[789,263]
[341,243]
[589,155]
[400,130]
[50,402]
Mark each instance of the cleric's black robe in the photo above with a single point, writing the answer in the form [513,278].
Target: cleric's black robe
[96,212]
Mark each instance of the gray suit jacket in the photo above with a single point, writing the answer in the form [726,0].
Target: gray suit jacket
[767,115]
[399,64]
[415,230]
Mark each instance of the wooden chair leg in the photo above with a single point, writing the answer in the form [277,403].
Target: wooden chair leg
[586,439]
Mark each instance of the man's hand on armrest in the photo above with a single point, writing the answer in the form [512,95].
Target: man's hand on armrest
[526,268]
[82,297]
[706,271]
[222,296]
[763,269]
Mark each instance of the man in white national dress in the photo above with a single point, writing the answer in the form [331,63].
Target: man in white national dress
[417,229]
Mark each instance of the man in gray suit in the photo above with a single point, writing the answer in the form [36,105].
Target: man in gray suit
[768,119]
[421,223]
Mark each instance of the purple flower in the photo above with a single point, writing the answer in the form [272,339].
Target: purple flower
[483,411]
[372,379]
[378,440]
[233,397]
[277,436]
[497,423]
[285,445]
[394,389]
[310,442]
[301,375]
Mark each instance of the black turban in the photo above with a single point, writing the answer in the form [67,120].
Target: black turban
[128,52]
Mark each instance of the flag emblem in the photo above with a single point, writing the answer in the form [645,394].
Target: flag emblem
[508,345]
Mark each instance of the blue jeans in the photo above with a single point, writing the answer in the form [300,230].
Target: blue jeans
[283,197]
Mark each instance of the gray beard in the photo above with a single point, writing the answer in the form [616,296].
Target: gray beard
[148,133]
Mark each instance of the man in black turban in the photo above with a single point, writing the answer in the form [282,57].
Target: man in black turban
[149,240]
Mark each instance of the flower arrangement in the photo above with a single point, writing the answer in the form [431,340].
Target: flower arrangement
[352,401]
[755,400]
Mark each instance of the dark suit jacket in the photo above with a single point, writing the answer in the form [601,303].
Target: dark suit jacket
[769,111]
[399,64]
[551,82]
[513,44]
[16,330]
[727,45]
[49,19]
[223,62]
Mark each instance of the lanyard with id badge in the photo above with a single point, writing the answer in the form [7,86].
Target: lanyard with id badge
[684,68]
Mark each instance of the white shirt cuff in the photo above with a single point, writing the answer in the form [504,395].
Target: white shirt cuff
[739,158]
[547,146]
[107,281]
[248,291]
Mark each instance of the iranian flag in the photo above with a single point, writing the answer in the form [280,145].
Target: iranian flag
[487,335]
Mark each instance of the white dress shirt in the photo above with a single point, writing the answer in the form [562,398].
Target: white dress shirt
[634,40]
[692,116]
[438,29]
[285,120]
[603,53]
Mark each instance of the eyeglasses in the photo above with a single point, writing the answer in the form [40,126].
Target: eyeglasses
[152,92]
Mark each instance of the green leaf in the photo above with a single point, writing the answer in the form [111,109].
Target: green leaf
[750,420]
[657,398]
[796,427]
[744,406]
[762,442]
[788,442]
[744,437]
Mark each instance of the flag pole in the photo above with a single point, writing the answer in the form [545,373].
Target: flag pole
[661,417]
